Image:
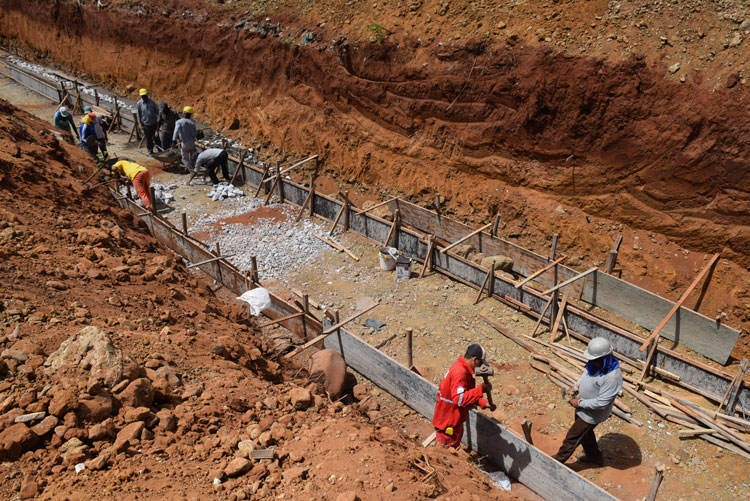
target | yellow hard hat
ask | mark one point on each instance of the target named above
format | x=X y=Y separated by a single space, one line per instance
x=188 y=109
x=142 y=92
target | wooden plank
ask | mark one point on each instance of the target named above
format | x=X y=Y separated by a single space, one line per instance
x=337 y=246
x=560 y=314
x=282 y=319
x=282 y=172
x=364 y=211
x=537 y=273
x=682 y=299
x=505 y=449
x=463 y=239
x=569 y=281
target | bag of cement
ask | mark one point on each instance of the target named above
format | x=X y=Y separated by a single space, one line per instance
x=258 y=299
x=500 y=480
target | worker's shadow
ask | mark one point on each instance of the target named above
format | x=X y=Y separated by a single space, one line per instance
x=488 y=438
x=620 y=451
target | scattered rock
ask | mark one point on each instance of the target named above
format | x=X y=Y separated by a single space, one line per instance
x=63 y=401
x=245 y=448
x=295 y=473
x=101 y=462
x=674 y=68
x=71 y=446
x=128 y=434
x=503 y=263
x=102 y=431
x=347 y=496
x=95 y=409
x=46 y=426
x=167 y=420
x=301 y=398
x=29 y=488
x=15 y=440
x=139 y=393
x=237 y=467
x=359 y=391
x=26 y=418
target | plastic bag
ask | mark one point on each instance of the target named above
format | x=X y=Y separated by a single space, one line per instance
x=258 y=299
x=500 y=480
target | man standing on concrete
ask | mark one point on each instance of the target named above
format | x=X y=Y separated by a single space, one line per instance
x=596 y=391
x=185 y=132
x=148 y=115
x=165 y=124
x=63 y=120
x=140 y=177
x=457 y=394
x=212 y=159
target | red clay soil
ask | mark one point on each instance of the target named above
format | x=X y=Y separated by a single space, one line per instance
x=494 y=120
x=199 y=377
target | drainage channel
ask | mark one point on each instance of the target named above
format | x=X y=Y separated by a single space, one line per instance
x=522 y=461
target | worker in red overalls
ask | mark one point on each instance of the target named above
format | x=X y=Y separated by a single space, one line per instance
x=457 y=394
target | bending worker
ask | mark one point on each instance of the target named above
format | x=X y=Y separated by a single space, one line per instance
x=593 y=397
x=457 y=394
x=186 y=132
x=148 y=115
x=213 y=158
x=63 y=120
x=141 y=179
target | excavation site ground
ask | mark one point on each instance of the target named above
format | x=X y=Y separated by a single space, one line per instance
x=551 y=171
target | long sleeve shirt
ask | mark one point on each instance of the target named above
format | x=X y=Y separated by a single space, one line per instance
x=596 y=395
x=166 y=121
x=64 y=122
x=207 y=155
x=457 y=394
x=148 y=112
x=185 y=131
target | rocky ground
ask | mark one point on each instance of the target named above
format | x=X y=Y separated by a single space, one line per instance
x=124 y=375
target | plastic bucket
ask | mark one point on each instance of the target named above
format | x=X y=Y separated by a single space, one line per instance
x=403 y=268
x=387 y=258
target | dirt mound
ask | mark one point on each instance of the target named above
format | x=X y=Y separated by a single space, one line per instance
x=122 y=374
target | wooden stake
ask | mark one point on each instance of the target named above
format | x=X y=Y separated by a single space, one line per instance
x=239 y=167
x=280 y=187
x=394 y=229
x=491 y=283
x=184 y=223
x=308 y=200
x=314 y=157
x=254 y=269
x=539 y=272
x=336 y=221
x=437 y=205
x=306 y=311
x=283 y=319
x=152 y=194
x=260 y=185
x=682 y=299
x=337 y=246
x=481 y=288
x=541 y=317
x=569 y=281
x=560 y=314
x=460 y=240
x=275 y=182
x=496 y=225
x=526 y=427
x=346 y=211
x=429 y=439
x=363 y=211
x=409 y=353
x=612 y=259
x=329 y=331
x=428 y=257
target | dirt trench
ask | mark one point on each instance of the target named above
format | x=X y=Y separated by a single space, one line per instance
x=492 y=127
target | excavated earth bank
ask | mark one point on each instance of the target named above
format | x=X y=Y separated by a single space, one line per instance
x=492 y=124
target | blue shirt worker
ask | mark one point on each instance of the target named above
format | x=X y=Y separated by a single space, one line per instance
x=148 y=116
x=63 y=120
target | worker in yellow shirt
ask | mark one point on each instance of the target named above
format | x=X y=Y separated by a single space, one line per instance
x=140 y=177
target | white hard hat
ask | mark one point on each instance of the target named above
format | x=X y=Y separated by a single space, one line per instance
x=63 y=110
x=597 y=348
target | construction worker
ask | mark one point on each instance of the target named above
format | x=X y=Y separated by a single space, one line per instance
x=63 y=120
x=213 y=158
x=101 y=135
x=148 y=116
x=165 y=124
x=87 y=135
x=186 y=132
x=140 y=177
x=457 y=394
x=592 y=398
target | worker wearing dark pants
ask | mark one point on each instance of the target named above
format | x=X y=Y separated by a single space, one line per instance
x=457 y=394
x=148 y=115
x=594 y=395
x=212 y=166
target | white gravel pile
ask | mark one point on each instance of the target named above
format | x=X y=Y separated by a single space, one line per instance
x=224 y=190
x=278 y=247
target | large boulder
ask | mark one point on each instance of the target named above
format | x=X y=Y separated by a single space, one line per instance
x=15 y=440
x=331 y=365
x=503 y=263
x=92 y=350
x=139 y=393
